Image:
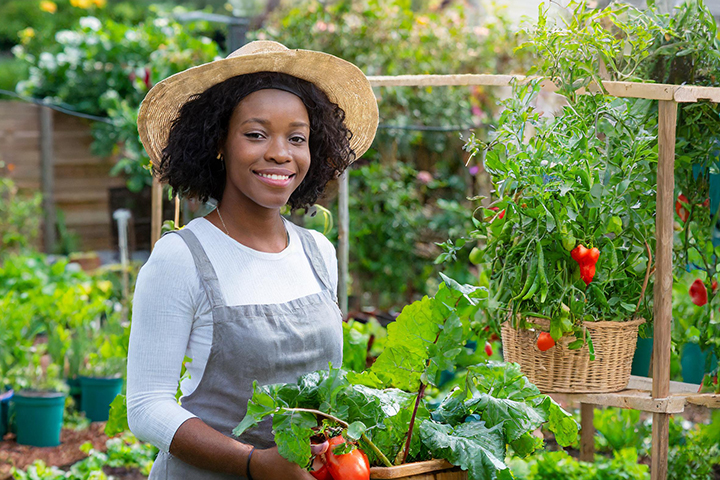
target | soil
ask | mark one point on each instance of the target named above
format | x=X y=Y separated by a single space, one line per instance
x=63 y=456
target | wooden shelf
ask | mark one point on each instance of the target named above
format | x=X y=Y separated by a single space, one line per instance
x=638 y=396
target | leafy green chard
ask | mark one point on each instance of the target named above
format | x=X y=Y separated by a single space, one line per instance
x=384 y=410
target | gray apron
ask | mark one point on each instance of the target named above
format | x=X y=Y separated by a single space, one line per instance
x=273 y=343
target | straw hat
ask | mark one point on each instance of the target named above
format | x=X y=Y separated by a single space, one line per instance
x=343 y=83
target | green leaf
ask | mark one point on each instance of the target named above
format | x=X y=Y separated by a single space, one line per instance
x=117 y=420
x=292 y=435
x=560 y=422
x=356 y=430
x=471 y=446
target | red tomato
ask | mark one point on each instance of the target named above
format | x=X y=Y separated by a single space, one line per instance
x=698 y=293
x=682 y=212
x=545 y=342
x=351 y=466
x=488 y=349
x=320 y=469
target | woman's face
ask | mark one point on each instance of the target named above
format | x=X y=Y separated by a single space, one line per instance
x=267 y=154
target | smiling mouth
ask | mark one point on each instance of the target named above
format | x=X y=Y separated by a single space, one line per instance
x=274 y=176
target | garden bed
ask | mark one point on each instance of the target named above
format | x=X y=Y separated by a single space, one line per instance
x=64 y=455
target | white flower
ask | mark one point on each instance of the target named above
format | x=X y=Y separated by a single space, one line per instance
x=67 y=37
x=18 y=51
x=90 y=22
x=74 y=55
x=132 y=36
x=544 y=163
x=161 y=22
x=62 y=58
x=47 y=61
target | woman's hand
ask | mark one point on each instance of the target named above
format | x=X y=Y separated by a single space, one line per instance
x=268 y=464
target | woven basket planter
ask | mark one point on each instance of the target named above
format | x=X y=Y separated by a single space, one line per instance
x=560 y=369
x=428 y=470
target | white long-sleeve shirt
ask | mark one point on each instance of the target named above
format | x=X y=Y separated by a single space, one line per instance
x=172 y=315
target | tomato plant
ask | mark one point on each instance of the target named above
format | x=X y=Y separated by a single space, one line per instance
x=578 y=194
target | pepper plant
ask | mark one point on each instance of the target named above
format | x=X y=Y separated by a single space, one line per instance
x=566 y=185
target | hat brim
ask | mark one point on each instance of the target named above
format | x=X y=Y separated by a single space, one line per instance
x=342 y=82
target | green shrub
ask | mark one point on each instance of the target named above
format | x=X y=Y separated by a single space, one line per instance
x=19 y=217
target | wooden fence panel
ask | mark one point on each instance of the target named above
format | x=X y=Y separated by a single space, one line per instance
x=82 y=180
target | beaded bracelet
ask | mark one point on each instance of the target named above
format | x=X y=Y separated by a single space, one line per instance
x=247 y=467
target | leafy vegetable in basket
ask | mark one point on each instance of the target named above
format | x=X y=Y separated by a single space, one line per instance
x=384 y=410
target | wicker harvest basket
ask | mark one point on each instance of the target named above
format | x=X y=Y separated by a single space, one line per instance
x=560 y=369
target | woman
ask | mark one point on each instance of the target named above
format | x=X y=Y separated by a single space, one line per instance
x=245 y=294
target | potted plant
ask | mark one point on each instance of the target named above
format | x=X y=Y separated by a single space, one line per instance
x=38 y=407
x=568 y=237
x=102 y=378
x=384 y=411
x=15 y=345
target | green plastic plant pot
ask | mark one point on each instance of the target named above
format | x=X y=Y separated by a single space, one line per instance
x=75 y=391
x=641 y=359
x=38 y=417
x=693 y=361
x=5 y=398
x=96 y=396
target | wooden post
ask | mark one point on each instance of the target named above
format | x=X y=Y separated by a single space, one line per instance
x=47 y=177
x=587 y=432
x=343 y=241
x=177 y=212
x=156 y=218
x=667 y=121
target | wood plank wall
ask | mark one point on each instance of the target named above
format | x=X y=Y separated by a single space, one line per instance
x=82 y=180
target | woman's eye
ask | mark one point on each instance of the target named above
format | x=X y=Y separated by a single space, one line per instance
x=254 y=135
x=297 y=139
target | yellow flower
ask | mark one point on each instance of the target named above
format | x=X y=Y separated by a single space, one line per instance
x=47 y=6
x=100 y=3
x=81 y=3
x=26 y=34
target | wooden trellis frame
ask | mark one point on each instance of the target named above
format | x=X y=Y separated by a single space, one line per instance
x=657 y=395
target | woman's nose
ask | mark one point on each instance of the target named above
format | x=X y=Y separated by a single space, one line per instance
x=278 y=151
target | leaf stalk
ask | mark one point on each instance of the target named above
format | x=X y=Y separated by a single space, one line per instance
x=343 y=423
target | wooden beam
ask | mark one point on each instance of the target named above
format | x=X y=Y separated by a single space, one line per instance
x=632 y=399
x=667 y=124
x=156 y=217
x=710 y=400
x=47 y=173
x=587 y=432
x=660 y=445
x=343 y=241
x=651 y=91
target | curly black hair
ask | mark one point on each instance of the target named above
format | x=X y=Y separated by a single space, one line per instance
x=189 y=162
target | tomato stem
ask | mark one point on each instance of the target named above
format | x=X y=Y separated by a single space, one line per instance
x=343 y=423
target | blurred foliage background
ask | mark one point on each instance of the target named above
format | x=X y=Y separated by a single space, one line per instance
x=409 y=191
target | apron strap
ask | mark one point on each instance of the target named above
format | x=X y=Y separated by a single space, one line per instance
x=204 y=267
x=316 y=261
